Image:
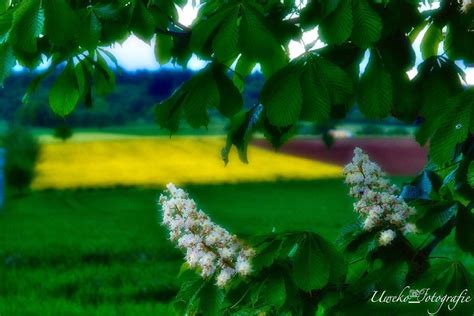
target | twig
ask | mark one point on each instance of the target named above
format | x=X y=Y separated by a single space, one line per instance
x=295 y=20
x=440 y=234
x=179 y=25
x=172 y=33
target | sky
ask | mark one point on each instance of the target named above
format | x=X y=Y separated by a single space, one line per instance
x=135 y=54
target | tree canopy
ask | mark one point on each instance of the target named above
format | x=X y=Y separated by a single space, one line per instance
x=235 y=36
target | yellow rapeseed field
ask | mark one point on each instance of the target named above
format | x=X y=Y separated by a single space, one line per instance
x=155 y=161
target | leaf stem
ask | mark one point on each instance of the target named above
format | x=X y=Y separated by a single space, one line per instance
x=171 y=33
x=440 y=234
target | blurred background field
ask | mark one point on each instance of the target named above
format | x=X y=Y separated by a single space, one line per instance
x=69 y=247
x=103 y=252
x=155 y=161
x=84 y=238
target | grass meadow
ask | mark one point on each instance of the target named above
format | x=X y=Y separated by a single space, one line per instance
x=103 y=252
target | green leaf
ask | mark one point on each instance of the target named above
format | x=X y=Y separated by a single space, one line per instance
x=243 y=68
x=459 y=177
x=453 y=130
x=80 y=77
x=282 y=97
x=336 y=28
x=355 y=241
x=104 y=78
x=339 y=85
x=111 y=57
x=108 y=12
x=90 y=31
x=210 y=300
x=211 y=88
x=230 y=99
x=316 y=104
x=430 y=42
x=61 y=22
x=464 y=229
x=278 y=135
x=316 y=10
x=28 y=20
x=114 y=31
x=168 y=113
x=450 y=278
x=34 y=83
x=64 y=94
x=267 y=253
x=181 y=51
x=143 y=22
x=424 y=186
x=459 y=37
x=466 y=100
x=203 y=94
x=337 y=263
x=242 y=126
x=226 y=40
x=470 y=174
x=397 y=53
x=437 y=81
x=273 y=292
x=86 y=87
x=413 y=34
x=444 y=277
x=375 y=95
x=4 y=5
x=435 y=216
x=393 y=275
x=163 y=48
x=405 y=98
x=258 y=42
x=205 y=28
x=367 y=24
x=469 y=99
x=311 y=268
x=7 y=61
x=6 y=20
x=187 y=300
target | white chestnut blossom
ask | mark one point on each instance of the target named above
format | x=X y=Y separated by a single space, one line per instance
x=209 y=248
x=224 y=276
x=466 y=5
x=386 y=237
x=377 y=202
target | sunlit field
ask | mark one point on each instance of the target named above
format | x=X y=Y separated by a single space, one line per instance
x=155 y=161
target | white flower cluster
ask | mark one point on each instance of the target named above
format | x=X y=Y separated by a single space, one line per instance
x=466 y=5
x=209 y=248
x=378 y=202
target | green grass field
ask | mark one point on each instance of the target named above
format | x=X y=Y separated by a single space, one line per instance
x=102 y=252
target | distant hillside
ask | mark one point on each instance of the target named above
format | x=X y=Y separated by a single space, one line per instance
x=133 y=99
